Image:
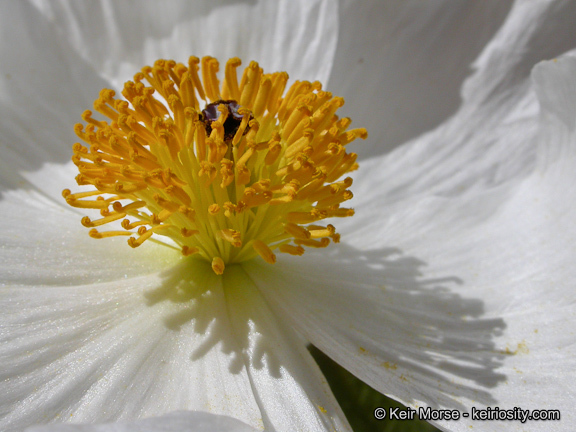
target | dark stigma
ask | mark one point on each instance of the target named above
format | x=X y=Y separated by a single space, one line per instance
x=210 y=114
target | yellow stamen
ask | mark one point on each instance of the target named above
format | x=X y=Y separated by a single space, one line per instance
x=228 y=171
x=292 y=250
x=218 y=265
x=94 y=233
x=232 y=236
x=264 y=251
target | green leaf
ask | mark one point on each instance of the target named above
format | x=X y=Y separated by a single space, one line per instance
x=358 y=400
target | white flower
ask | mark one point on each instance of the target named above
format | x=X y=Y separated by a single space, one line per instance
x=452 y=286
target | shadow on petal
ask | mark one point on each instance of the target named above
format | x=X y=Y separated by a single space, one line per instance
x=197 y=291
x=376 y=314
x=232 y=316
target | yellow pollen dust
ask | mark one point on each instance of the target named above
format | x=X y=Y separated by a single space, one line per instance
x=226 y=171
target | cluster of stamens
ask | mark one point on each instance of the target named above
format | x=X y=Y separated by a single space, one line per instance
x=226 y=172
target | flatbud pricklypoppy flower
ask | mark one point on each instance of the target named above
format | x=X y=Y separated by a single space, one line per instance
x=446 y=282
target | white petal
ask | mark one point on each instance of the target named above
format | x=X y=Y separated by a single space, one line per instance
x=180 y=421
x=288 y=385
x=44 y=87
x=484 y=150
x=156 y=344
x=412 y=339
x=119 y=38
x=464 y=298
x=400 y=65
x=484 y=276
x=123 y=350
x=43 y=243
x=423 y=341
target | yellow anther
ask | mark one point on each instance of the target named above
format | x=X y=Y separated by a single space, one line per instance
x=87 y=117
x=187 y=250
x=292 y=250
x=252 y=198
x=162 y=216
x=250 y=84
x=242 y=175
x=227 y=172
x=335 y=199
x=99 y=235
x=193 y=70
x=186 y=91
x=188 y=232
x=230 y=89
x=261 y=185
x=340 y=212
x=297 y=231
x=351 y=135
x=127 y=225
x=208 y=171
x=282 y=200
x=231 y=236
x=179 y=194
x=246 y=115
x=273 y=152
x=70 y=196
x=242 y=161
x=98 y=222
x=166 y=204
x=262 y=97
x=144 y=235
x=218 y=265
x=188 y=212
x=264 y=251
x=320 y=231
x=87 y=204
x=301 y=217
x=136 y=242
x=210 y=67
x=300 y=144
x=213 y=209
x=130 y=207
x=322 y=243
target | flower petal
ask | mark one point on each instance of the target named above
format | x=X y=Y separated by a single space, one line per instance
x=413 y=339
x=44 y=244
x=180 y=421
x=156 y=344
x=485 y=150
x=136 y=35
x=44 y=87
x=471 y=302
x=400 y=65
x=478 y=300
x=425 y=342
x=401 y=70
x=122 y=350
x=288 y=385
